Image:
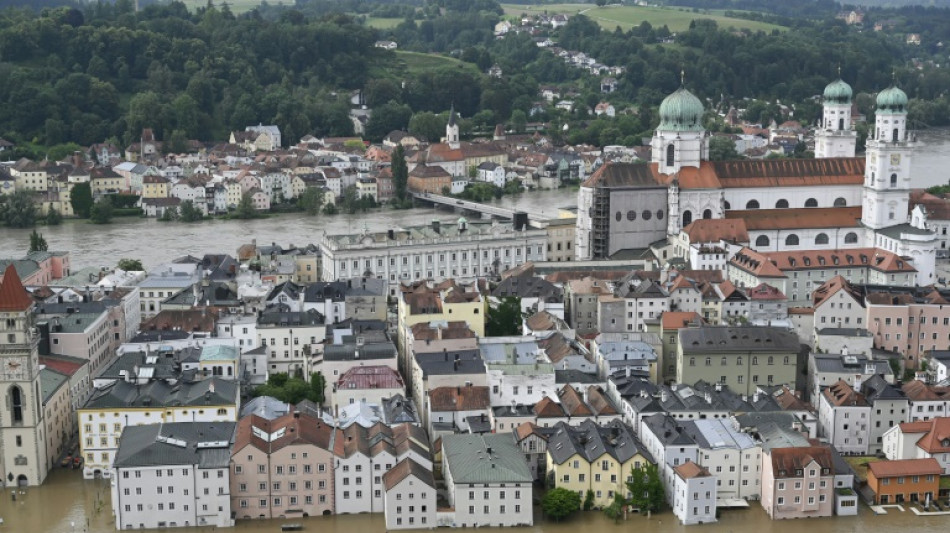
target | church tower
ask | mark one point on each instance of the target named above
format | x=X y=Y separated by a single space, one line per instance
x=452 y=130
x=23 y=457
x=887 y=166
x=680 y=140
x=834 y=137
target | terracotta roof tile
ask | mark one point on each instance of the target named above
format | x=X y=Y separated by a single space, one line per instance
x=905 y=467
x=13 y=297
x=472 y=398
x=680 y=319
x=787 y=462
x=812 y=218
x=714 y=230
x=790 y=172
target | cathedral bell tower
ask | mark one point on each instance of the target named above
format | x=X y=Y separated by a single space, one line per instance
x=834 y=137
x=887 y=168
x=680 y=140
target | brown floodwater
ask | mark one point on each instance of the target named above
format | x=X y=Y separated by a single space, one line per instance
x=67 y=504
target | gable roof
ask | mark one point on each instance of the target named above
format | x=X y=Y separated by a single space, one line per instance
x=790 y=172
x=714 y=230
x=471 y=398
x=905 y=467
x=787 y=462
x=405 y=468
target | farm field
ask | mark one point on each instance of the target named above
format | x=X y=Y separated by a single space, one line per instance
x=236 y=6
x=676 y=19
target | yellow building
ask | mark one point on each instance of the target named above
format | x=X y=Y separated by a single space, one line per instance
x=447 y=301
x=155 y=187
x=595 y=458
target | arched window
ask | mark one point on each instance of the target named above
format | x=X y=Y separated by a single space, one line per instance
x=840 y=202
x=781 y=204
x=851 y=238
x=893 y=180
x=791 y=240
x=16 y=404
x=670 y=155
x=687 y=218
x=821 y=238
x=841 y=124
x=762 y=241
x=894 y=136
x=811 y=202
x=752 y=204
x=707 y=214
x=727 y=206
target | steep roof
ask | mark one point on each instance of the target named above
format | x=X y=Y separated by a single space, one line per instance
x=689 y=470
x=472 y=398
x=790 y=172
x=842 y=395
x=788 y=462
x=13 y=297
x=405 y=468
x=486 y=458
x=714 y=230
x=937 y=439
x=614 y=174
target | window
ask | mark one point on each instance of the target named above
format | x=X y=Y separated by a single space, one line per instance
x=781 y=204
x=707 y=214
x=811 y=202
x=821 y=238
x=761 y=241
x=752 y=204
x=670 y=155
x=791 y=240
x=840 y=202
x=687 y=218
x=851 y=238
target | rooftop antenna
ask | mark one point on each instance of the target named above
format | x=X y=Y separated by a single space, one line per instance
x=682 y=77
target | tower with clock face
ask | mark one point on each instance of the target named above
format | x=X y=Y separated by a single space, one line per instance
x=887 y=168
x=23 y=452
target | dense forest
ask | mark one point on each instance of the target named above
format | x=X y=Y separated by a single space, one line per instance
x=105 y=71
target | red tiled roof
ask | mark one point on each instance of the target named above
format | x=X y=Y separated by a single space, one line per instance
x=370 y=377
x=689 y=470
x=790 y=172
x=714 y=230
x=937 y=440
x=905 y=467
x=472 y=398
x=811 y=218
x=786 y=462
x=13 y=297
x=680 y=319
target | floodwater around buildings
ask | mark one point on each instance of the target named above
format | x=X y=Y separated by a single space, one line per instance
x=68 y=504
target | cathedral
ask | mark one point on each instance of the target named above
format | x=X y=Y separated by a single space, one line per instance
x=834 y=201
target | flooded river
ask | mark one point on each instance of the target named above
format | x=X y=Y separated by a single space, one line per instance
x=67 y=504
x=154 y=242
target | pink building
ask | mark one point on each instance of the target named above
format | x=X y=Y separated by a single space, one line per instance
x=39 y=268
x=911 y=321
x=282 y=468
x=798 y=482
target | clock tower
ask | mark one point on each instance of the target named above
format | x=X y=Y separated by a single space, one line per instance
x=23 y=454
x=887 y=168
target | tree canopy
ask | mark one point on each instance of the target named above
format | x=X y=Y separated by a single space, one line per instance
x=560 y=503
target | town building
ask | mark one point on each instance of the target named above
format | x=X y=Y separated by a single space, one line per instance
x=844 y=418
x=919 y=440
x=410 y=496
x=173 y=475
x=694 y=495
x=487 y=480
x=798 y=482
x=283 y=468
x=904 y=481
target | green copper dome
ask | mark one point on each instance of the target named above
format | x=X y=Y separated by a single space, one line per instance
x=892 y=100
x=838 y=92
x=681 y=111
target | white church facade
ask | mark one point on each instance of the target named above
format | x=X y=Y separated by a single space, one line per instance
x=834 y=201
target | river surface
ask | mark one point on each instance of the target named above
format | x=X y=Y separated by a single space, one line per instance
x=68 y=504
x=155 y=242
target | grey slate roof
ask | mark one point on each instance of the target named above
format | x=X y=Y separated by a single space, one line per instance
x=284 y=318
x=708 y=339
x=488 y=458
x=159 y=393
x=838 y=364
x=529 y=287
x=877 y=388
x=398 y=409
x=667 y=430
x=50 y=382
x=205 y=444
x=266 y=407
x=454 y=362
x=348 y=352
x=773 y=430
x=591 y=441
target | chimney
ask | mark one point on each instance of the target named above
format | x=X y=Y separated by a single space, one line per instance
x=627 y=371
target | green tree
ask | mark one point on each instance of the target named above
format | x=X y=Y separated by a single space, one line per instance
x=505 y=318
x=130 y=265
x=318 y=385
x=245 y=208
x=560 y=503
x=37 y=242
x=330 y=209
x=646 y=489
x=80 y=198
x=427 y=125
x=187 y=212
x=722 y=148
x=589 y=500
x=311 y=201
x=101 y=212
x=170 y=214
x=386 y=118
x=400 y=172
x=53 y=217
x=351 y=199
x=519 y=121
x=614 y=511
x=18 y=211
